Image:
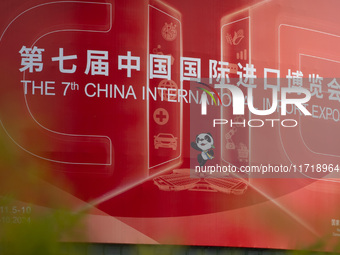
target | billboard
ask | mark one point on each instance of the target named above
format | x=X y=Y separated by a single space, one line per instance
x=175 y=122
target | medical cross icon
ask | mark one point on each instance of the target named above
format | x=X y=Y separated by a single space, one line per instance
x=161 y=116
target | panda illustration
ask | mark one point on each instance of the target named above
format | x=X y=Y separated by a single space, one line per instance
x=205 y=144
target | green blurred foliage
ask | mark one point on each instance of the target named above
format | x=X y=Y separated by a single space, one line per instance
x=41 y=236
x=23 y=182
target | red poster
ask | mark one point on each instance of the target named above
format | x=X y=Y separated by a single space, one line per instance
x=176 y=122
